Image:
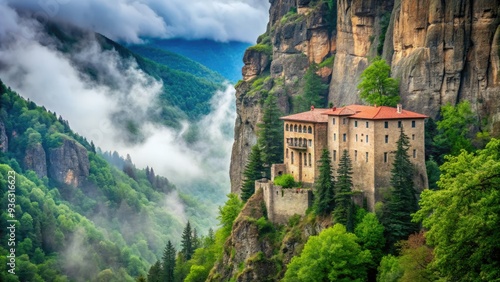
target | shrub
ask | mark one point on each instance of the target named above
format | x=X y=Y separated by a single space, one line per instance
x=285 y=181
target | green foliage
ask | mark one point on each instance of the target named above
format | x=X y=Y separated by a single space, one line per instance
x=453 y=129
x=228 y=213
x=168 y=262
x=285 y=181
x=314 y=93
x=324 y=192
x=415 y=259
x=433 y=173
x=270 y=134
x=344 y=207
x=328 y=62
x=402 y=201
x=262 y=48
x=333 y=255
x=377 y=87
x=371 y=237
x=187 y=242
x=462 y=216
x=384 y=25
x=389 y=269
x=253 y=171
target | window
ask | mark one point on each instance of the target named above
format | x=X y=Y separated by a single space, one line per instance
x=305 y=160
x=334 y=155
x=333 y=121
x=344 y=121
x=366 y=138
x=386 y=124
x=414 y=153
x=300 y=128
x=310 y=143
x=295 y=128
x=286 y=153
x=413 y=137
x=292 y=159
x=385 y=157
x=355 y=123
x=356 y=137
x=334 y=136
x=366 y=156
x=310 y=159
x=355 y=155
x=310 y=130
x=286 y=127
x=399 y=124
x=387 y=139
x=367 y=124
x=412 y=123
x=344 y=137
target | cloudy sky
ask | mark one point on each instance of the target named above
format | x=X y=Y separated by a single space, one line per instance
x=133 y=20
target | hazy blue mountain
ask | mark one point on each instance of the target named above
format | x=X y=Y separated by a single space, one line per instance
x=222 y=57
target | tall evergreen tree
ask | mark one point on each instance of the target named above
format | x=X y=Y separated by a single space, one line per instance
x=187 y=242
x=344 y=210
x=270 y=134
x=402 y=202
x=154 y=274
x=253 y=171
x=168 y=264
x=325 y=185
x=314 y=90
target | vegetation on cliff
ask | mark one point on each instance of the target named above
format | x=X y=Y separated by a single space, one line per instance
x=377 y=87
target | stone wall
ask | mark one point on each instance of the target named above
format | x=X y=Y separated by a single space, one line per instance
x=281 y=204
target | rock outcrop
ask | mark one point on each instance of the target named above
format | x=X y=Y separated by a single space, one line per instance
x=69 y=163
x=441 y=51
x=35 y=159
x=4 y=141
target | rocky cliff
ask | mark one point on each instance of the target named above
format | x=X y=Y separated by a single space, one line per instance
x=4 y=141
x=69 y=163
x=35 y=159
x=441 y=51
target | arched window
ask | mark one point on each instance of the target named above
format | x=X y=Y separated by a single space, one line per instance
x=309 y=159
x=300 y=128
x=295 y=142
x=286 y=127
x=295 y=128
x=310 y=130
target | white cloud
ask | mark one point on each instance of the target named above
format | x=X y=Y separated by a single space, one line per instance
x=129 y=21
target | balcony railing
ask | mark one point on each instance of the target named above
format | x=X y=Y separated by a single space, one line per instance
x=297 y=145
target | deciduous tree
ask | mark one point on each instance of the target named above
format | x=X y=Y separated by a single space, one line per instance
x=377 y=87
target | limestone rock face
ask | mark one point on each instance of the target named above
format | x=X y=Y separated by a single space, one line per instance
x=4 y=141
x=246 y=243
x=35 y=159
x=69 y=163
x=447 y=51
x=255 y=64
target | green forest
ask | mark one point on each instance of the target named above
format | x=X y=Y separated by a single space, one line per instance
x=112 y=227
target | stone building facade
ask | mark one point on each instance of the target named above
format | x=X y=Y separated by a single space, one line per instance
x=367 y=133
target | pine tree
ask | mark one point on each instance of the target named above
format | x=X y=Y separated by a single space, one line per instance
x=187 y=242
x=325 y=185
x=344 y=210
x=402 y=203
x=154 y=274
x=314 y=89
x=196 y=240
x=168 y=264
x=270 y=134
x=253 y=171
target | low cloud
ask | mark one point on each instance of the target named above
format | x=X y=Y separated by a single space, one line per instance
x=132 y=21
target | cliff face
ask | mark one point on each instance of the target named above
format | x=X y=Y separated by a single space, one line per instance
x=35 y=159
x=441 y=51
x=4 y=141
x=69 y=163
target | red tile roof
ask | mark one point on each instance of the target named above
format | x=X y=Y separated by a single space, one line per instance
x=369 y=112
x=313 y=116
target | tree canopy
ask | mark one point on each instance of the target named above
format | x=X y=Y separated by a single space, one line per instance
x=463 y=216
x=253 y=171
x=314 y=91
x=377 y=87
x=333 y=255
x=270 y=134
